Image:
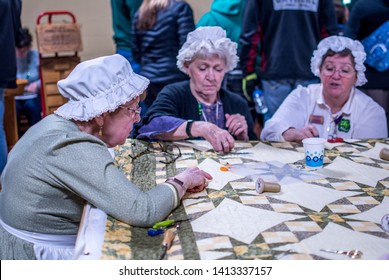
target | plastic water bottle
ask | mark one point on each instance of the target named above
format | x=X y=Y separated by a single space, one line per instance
x=259 y=101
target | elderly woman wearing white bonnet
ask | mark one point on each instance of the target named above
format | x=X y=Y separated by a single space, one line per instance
x=62 y=163
x=335 y=107
x=199 y=108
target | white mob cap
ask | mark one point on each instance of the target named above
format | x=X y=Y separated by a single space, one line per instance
x=99 y=85
x=338 y=44
x=212 y=40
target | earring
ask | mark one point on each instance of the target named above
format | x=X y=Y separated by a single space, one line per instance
x=101 y=131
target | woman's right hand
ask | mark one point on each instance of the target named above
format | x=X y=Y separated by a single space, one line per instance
x=299 y=134
x=194 y=179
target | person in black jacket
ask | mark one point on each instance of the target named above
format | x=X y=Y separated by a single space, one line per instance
x=366 y=17
x=159 y=30
x=10 y=26
x=200 y=108
x=287 y=33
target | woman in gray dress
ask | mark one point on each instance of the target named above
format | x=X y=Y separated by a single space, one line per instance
x=63 y=163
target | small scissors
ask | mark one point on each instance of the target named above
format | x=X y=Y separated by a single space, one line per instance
x=167 y=223
x=354 y=254
x=341 y=140
x=160 y=227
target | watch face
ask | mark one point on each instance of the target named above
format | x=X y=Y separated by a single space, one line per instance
x=385 y=223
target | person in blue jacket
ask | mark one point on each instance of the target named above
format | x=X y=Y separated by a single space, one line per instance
x=28 y=104
x=158 y=32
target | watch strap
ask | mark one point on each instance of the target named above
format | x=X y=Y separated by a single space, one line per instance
x=178 y=184
x=175 y=180
x=188 y=129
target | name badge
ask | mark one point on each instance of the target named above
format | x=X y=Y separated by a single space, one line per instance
x=316 y=119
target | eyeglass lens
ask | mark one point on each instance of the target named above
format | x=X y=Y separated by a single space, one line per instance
x=344 y=71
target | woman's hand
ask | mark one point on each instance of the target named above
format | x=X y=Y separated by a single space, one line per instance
x=194 y=179
x=297 y=135
x=237 y=126
x=220 y=139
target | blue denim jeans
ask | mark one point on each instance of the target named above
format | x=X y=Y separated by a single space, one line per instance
x=3 y=140
x=275 y=92
x=128 y=55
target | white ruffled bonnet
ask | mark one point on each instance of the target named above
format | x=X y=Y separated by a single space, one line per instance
x=211 y=38
x=337 y=44
x=99 y=85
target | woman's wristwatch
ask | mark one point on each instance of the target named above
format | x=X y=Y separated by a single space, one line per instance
x=189 y=128
x=178 y=184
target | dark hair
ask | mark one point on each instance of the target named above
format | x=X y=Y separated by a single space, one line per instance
x=25 y=38
x=343 y=53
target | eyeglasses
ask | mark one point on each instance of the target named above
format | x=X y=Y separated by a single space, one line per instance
x=137 y=110
x=169 y=150
x=344 y=71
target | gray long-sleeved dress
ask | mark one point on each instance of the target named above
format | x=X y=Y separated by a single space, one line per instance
x=54 y=168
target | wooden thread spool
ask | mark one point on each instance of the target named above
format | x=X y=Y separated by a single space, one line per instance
x=384 y=154
x=262 y=186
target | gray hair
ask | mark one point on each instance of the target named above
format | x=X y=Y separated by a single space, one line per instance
x=204 y=42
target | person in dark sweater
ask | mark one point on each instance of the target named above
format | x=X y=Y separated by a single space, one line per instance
x=199 y=108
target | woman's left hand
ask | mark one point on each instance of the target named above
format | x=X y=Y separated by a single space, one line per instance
x=237 y=126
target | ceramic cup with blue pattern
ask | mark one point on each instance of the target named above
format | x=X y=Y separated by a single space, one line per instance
x=314 y=152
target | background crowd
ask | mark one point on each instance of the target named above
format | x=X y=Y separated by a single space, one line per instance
x=150 y=33
x=266 y=62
